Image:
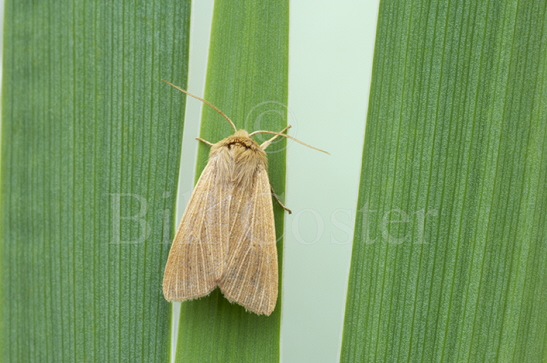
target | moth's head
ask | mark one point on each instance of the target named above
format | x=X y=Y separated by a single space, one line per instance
x=239 y=142
x=242 y=138
x=241 y=133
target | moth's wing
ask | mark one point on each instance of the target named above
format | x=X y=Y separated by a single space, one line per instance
x=250 y=276
x=196 y=259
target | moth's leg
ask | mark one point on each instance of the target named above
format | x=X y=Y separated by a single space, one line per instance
x=282 y=131
x=267 y=143
x=205 y=141
x=278 y=201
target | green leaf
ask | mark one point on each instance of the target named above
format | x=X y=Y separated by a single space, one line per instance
x=90 y=155
x=450 y=244
x=247 y=79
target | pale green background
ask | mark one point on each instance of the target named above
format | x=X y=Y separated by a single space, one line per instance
x=331 y=46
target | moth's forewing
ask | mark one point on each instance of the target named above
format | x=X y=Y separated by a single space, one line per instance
x=194 y=264
x=251 y=278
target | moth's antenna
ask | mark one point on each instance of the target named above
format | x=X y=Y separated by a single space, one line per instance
x=290 y=137
x=267 y=143
x=204 y=101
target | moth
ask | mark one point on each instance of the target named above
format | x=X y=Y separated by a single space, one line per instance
x=226 y=237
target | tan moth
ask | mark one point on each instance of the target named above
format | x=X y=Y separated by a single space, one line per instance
x=226 y=237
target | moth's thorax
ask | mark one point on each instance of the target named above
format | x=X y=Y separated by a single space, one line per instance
x=239 y=157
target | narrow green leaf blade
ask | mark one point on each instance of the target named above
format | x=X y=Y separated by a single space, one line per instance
x=247 y=80
x=450 y=245
x=90 y=149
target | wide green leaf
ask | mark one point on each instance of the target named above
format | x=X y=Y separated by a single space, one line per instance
x=90 y=154
x=450 y=245
x=247 y=79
